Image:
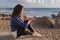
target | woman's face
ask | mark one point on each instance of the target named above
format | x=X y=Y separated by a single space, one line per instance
x=21 y=12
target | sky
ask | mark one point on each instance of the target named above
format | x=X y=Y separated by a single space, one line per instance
x=30 y=3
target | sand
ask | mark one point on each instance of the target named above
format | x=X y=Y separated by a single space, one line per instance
x=47 y=32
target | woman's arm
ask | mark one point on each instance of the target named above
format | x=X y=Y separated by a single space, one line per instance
x=31 y=20
x=18 y=21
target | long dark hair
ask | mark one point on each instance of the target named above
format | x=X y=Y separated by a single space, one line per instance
x=17 y=10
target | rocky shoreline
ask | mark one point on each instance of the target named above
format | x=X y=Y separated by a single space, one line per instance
x=50 y=30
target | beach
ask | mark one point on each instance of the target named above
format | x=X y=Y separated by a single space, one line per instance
x=41 y=25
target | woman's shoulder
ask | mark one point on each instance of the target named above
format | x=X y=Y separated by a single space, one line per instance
x=16 y=16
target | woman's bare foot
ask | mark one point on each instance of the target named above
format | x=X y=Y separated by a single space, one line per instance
x=37 y=34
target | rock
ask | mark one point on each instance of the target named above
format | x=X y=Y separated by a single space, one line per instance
x=31 y=38
x=6 y=36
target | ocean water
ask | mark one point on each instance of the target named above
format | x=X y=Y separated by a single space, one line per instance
x=38 y=12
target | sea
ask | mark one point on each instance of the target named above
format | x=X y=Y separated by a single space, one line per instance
x=30 y=12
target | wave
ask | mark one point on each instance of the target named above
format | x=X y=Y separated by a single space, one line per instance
x=33 y=11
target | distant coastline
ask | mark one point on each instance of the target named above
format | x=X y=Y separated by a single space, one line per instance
x=34 y=11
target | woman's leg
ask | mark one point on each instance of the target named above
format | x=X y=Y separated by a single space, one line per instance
x=29 y=27
x=34 y=33
x=20 y=31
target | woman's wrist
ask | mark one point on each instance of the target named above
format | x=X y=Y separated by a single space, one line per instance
x=29 y=21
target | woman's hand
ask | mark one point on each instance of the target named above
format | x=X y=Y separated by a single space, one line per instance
x=31 y=20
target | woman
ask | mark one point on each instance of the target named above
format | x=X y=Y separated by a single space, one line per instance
x=18 y=25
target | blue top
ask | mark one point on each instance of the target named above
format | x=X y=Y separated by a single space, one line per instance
x=17 y=22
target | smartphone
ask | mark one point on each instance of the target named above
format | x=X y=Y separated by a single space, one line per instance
x=35 y=17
